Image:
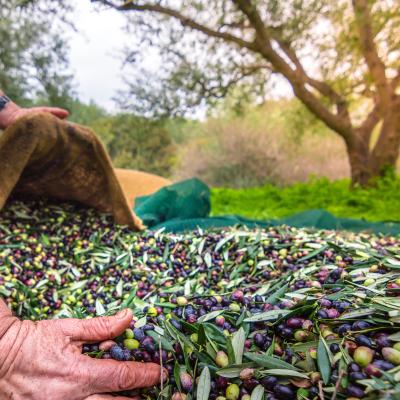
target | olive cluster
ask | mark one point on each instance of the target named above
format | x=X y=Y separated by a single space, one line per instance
x=298 y=313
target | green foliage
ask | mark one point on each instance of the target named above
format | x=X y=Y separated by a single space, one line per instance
x=140 y=143
x=378 y=203
x=85 y=114
x=182 y=129
x=132 y=142
x=250 y=149
x=33 y=61
x=203 y=67
x=339 y=57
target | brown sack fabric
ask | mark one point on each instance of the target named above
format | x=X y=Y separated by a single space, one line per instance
x=42 y=155
x=137 y=183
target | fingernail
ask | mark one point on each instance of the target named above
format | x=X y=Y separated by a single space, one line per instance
x=122 y=314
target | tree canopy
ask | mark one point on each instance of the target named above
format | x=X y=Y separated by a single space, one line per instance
x=34 y=51
x=341 y=59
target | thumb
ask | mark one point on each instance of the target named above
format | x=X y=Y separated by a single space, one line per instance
x=97 y=329
x=6 y=318
x=4 y=310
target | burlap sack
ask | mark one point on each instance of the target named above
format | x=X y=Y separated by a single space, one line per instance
x=137 y=183
x=42 y=155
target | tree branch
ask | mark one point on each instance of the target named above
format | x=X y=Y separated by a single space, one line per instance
x=261 y=45
x=322 y=87
x=295 y=77
x=375 y=65
x=184 y=20
x=220 y=91
x=395 y=81
x=368 y=125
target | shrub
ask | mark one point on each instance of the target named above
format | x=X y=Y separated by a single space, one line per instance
x=140 y=143
x=378 y=203
x=132 y=142
x=250 y=150
x=233 y=154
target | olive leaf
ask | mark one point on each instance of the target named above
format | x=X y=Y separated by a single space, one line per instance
x=269 y=361
x=273 y=298
x=285 y=372
x=238 y=345
x=177 y=373
x=271 y=315
x=395 y=337
x=119 y=287
x=257 y=393
x=234 y=370
x=204 y=385
x=165 y=344
x=313 y=253
x=100 y=310
x=324 y=364
x=210 y=316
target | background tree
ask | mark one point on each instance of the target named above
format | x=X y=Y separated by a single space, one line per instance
x=139 y=143
x=341 y=59
x=33 y=51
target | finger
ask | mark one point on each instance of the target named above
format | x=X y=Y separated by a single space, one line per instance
x=58 y=112
x=96 y=329
x=114 y=376
x=4 y=310
x=6 y=318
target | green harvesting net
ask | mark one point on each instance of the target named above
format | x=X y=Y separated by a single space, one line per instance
x=186 y=206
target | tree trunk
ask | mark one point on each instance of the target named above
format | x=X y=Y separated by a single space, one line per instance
x=386 y=150
x=365 y=163
x=359 y=159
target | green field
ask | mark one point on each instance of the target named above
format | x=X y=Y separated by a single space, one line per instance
x=378 y=203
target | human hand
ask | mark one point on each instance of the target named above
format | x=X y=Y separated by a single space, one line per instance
x=44 y=360
x=12 y=112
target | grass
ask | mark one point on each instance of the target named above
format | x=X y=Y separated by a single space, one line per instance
x=378 y=203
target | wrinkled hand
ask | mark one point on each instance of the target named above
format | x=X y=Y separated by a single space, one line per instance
x=43 y=360
x=12 y=112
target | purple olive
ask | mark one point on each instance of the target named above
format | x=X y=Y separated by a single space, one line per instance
x=139 y=334
x=269 y=382
x=382 y=340
x=355 y=390
x=259 y=339
x=186 y=381
x=356 y=376
x=363 y=340
x=294 y=323
x=284 y=392
x=117 y=353
x=343 y=329
x=360 y=325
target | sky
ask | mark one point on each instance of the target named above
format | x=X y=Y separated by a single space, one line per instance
x=94 y=52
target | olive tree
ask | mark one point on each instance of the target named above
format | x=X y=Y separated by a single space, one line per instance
x=33 y=51
x=341 y=59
